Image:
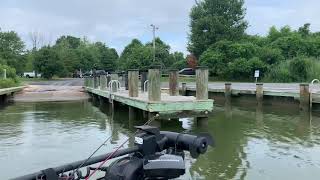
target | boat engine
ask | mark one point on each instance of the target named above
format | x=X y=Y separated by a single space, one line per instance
x=156 y=155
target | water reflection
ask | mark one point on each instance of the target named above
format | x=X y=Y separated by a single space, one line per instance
x=251 y=142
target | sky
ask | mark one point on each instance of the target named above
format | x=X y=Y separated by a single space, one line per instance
x=117 y=22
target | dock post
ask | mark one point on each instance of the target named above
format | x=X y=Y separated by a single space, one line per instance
x=133 y=82
x=183 y=89
x=304 y=97
x=202 y=75
x=103 y=82
x=227 y=92
x=173 y=82
x=259 y=92
x=154 y=84
x=95 y=82
x=144 y=77
x=85 y=82
x=108 y=79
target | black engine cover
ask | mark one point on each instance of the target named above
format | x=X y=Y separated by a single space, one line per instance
x=165 y=166
x=127 y=168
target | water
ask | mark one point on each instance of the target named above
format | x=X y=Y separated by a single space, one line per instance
x=251 y=143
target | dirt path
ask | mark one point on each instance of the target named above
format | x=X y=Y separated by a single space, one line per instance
x=61 y=90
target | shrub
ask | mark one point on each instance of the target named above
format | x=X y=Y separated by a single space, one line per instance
x=6 y=83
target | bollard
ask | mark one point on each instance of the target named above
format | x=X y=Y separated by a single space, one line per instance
x=144 y=77
x=95 y=82
x=173 y=82
x=154 y=84
x=227 y=92
x=114 y=77
x=133 y=82
x=304 y=97
x=259 y=92
x=91 y=82
x=202 y=75
x=183 y=89
x=108 y=78
x=103 y=82
x=85 y=84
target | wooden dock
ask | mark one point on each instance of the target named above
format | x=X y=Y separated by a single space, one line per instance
x=167 y=105
x=5 y=93
x=152 y=99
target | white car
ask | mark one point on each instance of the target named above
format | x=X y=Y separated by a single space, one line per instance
x=31 y=74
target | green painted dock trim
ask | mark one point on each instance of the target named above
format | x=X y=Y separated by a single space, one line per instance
x=11 y=90
x=162 y=107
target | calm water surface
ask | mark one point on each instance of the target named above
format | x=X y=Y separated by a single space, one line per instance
x=250 y=143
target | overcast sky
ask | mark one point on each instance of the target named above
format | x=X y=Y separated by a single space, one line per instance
x=117 y=22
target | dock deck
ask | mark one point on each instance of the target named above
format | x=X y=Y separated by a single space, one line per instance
x=168 y=104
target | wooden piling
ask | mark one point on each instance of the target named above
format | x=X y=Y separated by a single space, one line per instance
x=108 y=79
x=304 y=97
x=154 y=84
x=259 y=92
x=133 y=82
x=183 y=89
x=227 y=92
x=103 y=82
x=202 y=75
x=173 y=82
x=95 y=82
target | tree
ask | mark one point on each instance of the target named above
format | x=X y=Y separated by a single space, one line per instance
x=215 y=20
x=11 y=50
x=47 y=62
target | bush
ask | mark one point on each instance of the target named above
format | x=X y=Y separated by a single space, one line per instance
x=299 y=69
x=11 y=72
x=6 y=83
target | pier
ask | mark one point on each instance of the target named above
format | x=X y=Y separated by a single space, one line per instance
x=149 y=97
x=7 y=93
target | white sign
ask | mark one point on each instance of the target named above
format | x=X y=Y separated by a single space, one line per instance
x=256 y=73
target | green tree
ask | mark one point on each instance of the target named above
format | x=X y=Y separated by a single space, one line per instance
x=11 y=50
x=215 y=20
x=47 y=62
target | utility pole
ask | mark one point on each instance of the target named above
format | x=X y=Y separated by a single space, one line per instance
x=154 y=28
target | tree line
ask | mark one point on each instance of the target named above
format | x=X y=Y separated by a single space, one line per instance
x=217 y=39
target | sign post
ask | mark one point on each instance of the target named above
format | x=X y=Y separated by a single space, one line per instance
x=256 y=74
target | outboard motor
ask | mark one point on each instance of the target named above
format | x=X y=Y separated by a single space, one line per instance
x=156 y=155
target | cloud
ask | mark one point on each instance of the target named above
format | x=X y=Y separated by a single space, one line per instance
x=114 y=22
x=117 y=22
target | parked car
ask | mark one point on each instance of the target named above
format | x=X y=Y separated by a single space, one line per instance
x=99 y=72
x=32 y=74
x=187 y=71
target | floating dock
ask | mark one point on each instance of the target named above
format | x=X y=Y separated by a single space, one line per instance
x=150 y=98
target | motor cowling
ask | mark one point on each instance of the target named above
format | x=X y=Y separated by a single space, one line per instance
x=127 y=168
